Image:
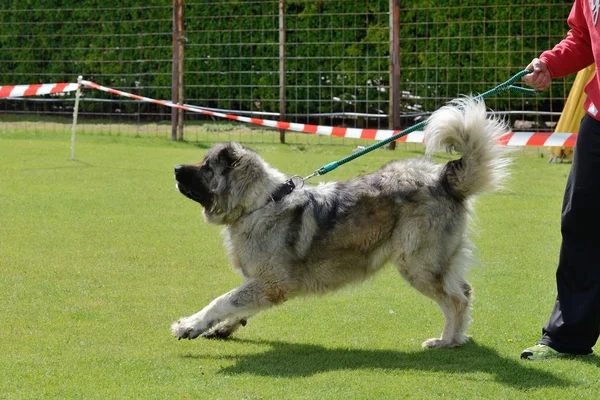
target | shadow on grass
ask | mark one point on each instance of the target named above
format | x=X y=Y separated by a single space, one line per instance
x=80 y=163
x=73 y=163
x=198 y=145
x=593 y=360
x=294 y=360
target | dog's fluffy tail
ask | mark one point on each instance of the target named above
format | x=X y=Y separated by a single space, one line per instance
x=463 y=126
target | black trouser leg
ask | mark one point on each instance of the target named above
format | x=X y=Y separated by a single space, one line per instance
x=574 y=325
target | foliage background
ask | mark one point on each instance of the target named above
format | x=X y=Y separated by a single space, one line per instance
x=337 y=54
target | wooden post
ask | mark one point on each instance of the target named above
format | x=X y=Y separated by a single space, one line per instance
x=180 y=72
x=394 y=67
x=282 y=67
x=177 y=90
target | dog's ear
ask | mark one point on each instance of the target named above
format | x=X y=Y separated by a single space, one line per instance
x=226 y=156
x=230 y=154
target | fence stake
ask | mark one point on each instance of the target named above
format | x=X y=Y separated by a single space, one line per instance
x=177 y=71
x=282 y=69
x=75 y=113
x=394 y=68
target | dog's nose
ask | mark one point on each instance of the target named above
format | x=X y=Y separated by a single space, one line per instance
x=178 y=169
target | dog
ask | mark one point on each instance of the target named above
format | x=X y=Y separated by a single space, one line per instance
x=312 y=240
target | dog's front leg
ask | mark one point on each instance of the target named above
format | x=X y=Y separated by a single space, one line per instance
x=236 y=305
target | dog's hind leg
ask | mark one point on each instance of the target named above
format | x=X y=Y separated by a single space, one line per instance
x=228 y=312
x=453 y=294
x=455 y=307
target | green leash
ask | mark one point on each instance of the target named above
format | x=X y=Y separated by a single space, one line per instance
x=508 y=85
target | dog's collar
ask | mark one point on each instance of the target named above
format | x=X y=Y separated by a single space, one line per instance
x=286 y=188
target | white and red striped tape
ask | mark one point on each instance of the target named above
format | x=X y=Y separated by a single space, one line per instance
x=376 y=134
x=539 y=139
x=36 y=89
x=510 y=139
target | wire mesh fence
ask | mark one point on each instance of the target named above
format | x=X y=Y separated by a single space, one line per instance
x=452 y=49
x=335 y=62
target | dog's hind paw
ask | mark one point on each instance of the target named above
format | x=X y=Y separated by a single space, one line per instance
x=438 y=343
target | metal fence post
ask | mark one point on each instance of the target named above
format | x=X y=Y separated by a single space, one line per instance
x=282 y=67
x=177 y=89
x=394 y=67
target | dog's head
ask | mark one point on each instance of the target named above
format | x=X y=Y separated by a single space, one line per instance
x=228 y=181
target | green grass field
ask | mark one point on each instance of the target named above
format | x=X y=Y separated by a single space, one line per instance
x=100 y=255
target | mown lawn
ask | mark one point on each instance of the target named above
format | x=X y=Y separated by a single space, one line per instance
x=100 y=255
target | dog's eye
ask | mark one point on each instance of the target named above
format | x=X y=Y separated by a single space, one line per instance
x=206 y=169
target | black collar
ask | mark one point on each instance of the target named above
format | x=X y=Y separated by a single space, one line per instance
x=286 y=188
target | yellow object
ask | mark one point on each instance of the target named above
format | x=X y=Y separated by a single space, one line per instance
x=572 y=113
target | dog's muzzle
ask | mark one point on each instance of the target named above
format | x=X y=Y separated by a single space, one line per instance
x=186 y=183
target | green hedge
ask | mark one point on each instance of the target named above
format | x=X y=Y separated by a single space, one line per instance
x=336 y=49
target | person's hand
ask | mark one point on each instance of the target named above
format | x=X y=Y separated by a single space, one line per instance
x=540 y=78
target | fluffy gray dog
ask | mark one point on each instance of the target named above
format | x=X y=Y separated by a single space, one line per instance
x=411 y=213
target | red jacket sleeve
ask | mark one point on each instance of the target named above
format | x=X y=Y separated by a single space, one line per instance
x=574 y=52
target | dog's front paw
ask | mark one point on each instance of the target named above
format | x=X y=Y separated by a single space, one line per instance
x=183 y=329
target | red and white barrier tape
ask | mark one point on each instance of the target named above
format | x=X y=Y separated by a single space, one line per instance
x=539 y=139
x=373 y=134
x=510 y=139
x=36 y=90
